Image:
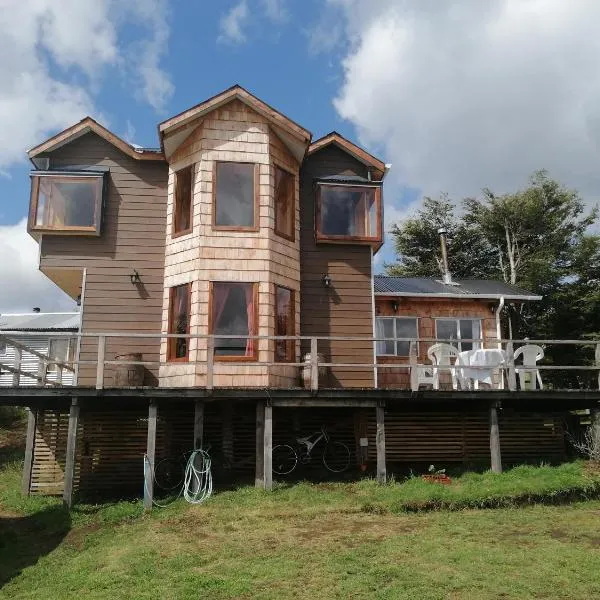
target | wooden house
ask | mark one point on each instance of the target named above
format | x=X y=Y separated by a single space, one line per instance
x=228 y=275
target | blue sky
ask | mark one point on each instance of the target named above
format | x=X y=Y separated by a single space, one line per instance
x=456 y=95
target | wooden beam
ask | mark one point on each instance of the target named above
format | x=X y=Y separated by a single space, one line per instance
x=314 y=364
x=29 y=448
x=17 y=366
x=198 y=424
x=268 y=448
x=323 y=403
x=100 y=366
x=71 y=448
x=260 y=444
x=150 y=453
x=495 y=455
x=380 y=443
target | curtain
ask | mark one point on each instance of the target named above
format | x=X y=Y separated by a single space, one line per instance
x=380 y=333
x=220 y=296
x=250 y=343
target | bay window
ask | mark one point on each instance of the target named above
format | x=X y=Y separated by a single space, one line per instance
x=284 y=324
x=235 y=199
x=348 y=213
x=453 y=331
x=66 y=203
x=179 y=322
x=234 y=312
x=387 y=329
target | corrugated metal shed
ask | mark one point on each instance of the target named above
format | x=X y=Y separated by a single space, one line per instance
x=40 y=322
x=464 y=288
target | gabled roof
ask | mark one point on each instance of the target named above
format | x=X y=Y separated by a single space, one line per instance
x=483 y=289
x=34 y=321
x=175 y=130
x=351 y=148
x=87 y=125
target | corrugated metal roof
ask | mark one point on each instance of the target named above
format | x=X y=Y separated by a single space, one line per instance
x=40 y=322
x=425 y=286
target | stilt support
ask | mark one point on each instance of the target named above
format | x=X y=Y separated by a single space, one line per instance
x=71 y=448
x=268 y=448
x=495 y=454
x=380 y=443
x=150 y=453
x=198 y=424
x=29 y=445
x=260 y=444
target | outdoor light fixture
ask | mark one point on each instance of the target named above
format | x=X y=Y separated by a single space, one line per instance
x=326 y=280
x=135 y=278
x=395 y=306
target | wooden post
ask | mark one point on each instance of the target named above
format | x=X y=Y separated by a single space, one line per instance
x=198 y=424
x=268 y=448
x=210 y=362
x=260 y=444
x=100 y=366
x=380 y=443
x=414 y=368
x=150 y=452
x=510 y=361
x=314 y=364
x=70 y=458
x=29 y=446
x=496 y=457
x=17 y=365
x=41 y=372
x=597 y=357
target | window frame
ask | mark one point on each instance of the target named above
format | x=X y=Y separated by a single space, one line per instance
x=457 y=320
x=394 y=340
x=172 y=342
x=290 y=344
x=344 y=239
x=64 y=176
x=211 y=323
x=52 y=367
x=292 y=237
x=175 y=233
x=256 y=198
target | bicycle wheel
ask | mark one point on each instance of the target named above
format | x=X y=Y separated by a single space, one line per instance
x=169 y=474
x=336 y=457
x=284 y=459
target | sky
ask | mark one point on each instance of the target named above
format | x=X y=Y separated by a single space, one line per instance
x=456 y=95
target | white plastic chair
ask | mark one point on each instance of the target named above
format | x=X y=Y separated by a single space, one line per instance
x=528 y=373
x=440 y=355
x=421 y=375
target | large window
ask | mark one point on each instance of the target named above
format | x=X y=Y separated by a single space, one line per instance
x=457 y=330
x=66 y=204
x=234 y=311
x=179 y=322
x=387 y=329
x=348 y=213
x=182 y=214
x=235 y=195
x=284 y=203
x=284 y=324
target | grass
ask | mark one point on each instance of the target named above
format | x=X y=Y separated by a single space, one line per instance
x=315 y=541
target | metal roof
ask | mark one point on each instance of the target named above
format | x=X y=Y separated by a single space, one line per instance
x=465 y=288
x=348 y=179
x=33 y=321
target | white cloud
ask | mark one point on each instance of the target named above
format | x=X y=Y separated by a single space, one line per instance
x=276 y=10
x=467 y=94
x=233 y=23
x=55 y=54
x=22 y=285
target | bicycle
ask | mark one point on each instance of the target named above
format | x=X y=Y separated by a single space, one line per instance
x=335 y=456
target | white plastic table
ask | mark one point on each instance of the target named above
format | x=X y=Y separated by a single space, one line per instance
x=486 y=362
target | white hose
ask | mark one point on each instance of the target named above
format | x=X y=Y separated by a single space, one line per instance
x=197 y=484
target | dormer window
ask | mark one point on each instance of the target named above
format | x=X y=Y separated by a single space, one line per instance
x=66 y=203
x=348 y=213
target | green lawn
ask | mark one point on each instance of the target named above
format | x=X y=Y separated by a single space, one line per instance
x=314 y=541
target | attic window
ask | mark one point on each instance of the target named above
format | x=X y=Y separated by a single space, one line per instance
x=66 y=204
x=348 y=213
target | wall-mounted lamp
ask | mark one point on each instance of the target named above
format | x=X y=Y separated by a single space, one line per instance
x=326 y=280
x=135 y=278
x=395 y=306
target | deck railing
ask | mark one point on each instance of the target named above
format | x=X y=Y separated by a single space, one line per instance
x=312 y=364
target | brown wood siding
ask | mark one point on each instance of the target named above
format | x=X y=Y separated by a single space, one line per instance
x=345 y=309
x=133 y=237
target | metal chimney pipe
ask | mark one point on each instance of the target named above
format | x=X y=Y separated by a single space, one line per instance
x=446 y=275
